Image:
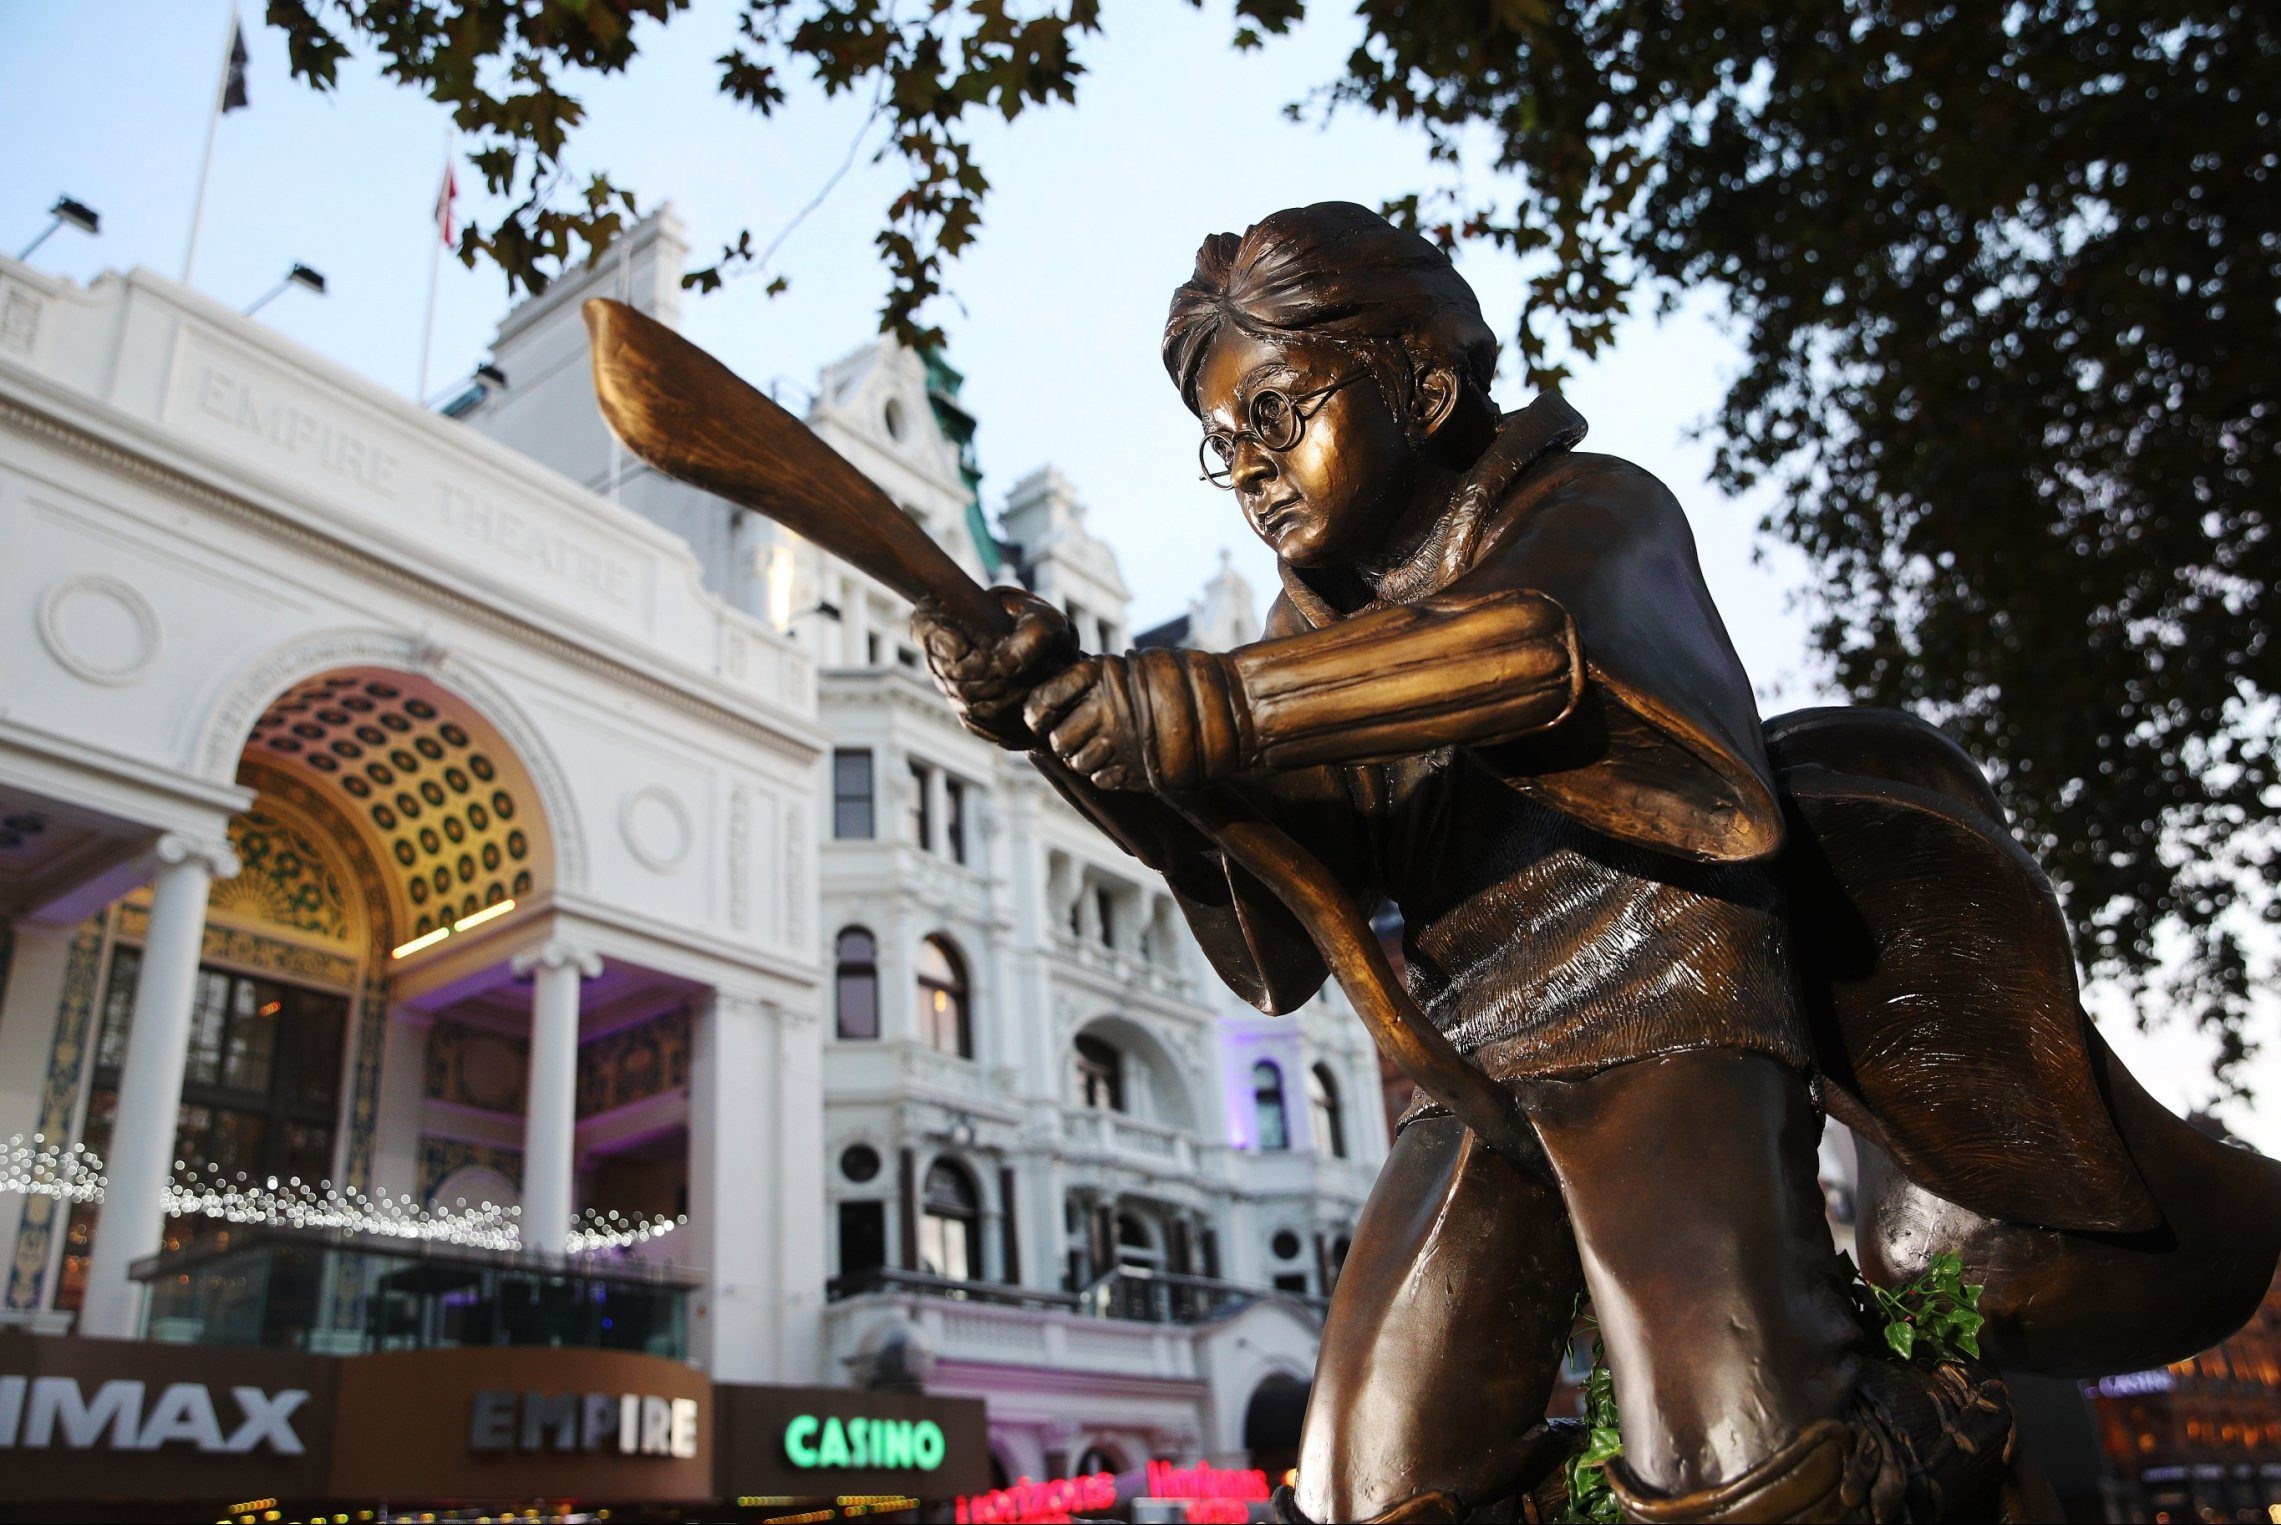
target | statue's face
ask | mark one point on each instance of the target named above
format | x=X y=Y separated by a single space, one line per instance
x=1332 y=497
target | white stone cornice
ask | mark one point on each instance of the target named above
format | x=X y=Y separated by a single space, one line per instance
x=792 y=735
x=557 y=952
x=209 y=853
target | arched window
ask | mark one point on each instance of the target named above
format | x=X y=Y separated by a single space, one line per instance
x=1267 y=1104
x=1135 y=1245
x=1100 y=1074
x=1323 y=1112
x=855 y=988
x=943 y=999
x=950 y=1241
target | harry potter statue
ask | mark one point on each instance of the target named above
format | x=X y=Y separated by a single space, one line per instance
x=1495 y=692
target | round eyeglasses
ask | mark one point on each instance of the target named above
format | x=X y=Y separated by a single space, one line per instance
x=1275 y=418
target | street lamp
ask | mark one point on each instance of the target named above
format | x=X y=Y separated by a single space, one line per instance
x=77 y=214
x=300 y=275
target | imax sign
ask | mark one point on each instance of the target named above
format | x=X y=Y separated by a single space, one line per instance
x=37 y=1413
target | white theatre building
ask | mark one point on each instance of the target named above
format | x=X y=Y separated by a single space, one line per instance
x=446 y=808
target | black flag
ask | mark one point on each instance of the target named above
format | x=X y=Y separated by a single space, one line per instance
x=234 y=77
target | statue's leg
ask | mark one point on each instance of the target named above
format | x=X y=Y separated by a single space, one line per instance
x=1741 y=1382
x=1692 y=1183
x=1444 y=1336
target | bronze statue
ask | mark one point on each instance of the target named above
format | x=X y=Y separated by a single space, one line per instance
x=1651 y=941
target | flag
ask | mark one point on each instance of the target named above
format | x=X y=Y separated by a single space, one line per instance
x=446 y=225
x=234 y=75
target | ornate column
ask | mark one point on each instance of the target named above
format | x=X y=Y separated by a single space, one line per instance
x=140 y=1161
x=550 y=1100
x=403 y=1085
x=28 y=1011
x=855 y=621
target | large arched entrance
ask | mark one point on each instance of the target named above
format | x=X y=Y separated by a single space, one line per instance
x=388 y=816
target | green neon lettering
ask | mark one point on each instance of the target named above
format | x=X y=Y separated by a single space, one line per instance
x=796 y=1444
x=927 y=1444
x=895 y=1443
x=832 y=1450
x=859 y=1433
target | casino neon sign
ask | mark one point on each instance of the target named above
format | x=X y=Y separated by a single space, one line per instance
x=884 y=1445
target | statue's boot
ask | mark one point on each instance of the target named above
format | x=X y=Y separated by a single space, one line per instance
x=1536 y=1488
x=1917 y=1445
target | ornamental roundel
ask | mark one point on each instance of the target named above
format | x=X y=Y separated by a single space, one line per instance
x=449 y=805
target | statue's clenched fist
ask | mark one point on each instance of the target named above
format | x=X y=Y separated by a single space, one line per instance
x=1084 y=716
x=986 y=681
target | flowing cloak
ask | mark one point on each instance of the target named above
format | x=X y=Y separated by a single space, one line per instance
x=1927 y=983
x=1950 y=1036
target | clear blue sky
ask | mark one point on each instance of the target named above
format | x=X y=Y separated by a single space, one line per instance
x=1094 y=218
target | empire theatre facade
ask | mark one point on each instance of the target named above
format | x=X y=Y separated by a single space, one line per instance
x=445 y=910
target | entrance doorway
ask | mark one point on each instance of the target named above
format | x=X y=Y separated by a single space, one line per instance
x=260 y=1090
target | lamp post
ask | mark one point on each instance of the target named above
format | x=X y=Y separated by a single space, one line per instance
x=77 y=214
x=300 y=275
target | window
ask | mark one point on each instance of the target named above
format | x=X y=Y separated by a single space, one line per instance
x=863 y=1237
x=1267 y=1104
x=943 y=999
x=851 y=795
x=1135 y=1245
x=855 y=988
x=951 y=1212
x=1105 y=905
x=918 y=825
x=954 y=819
x=1323 y=1112
x=1100 y=1074
x=260 y=1086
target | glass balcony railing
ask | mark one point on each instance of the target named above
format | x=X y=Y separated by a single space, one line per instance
x=333 y=1293
x=1134 y=1293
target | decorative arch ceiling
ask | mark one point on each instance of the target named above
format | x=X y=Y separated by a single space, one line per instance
x=449 y=809
x=289 y=875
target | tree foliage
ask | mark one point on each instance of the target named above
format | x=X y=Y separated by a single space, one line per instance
x=2005 y=280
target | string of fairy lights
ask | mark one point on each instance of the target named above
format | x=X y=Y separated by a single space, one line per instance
x=40 y=1167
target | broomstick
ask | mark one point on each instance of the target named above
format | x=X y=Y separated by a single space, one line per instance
x=693 y=419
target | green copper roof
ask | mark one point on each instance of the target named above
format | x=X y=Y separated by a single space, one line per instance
x=943 y=383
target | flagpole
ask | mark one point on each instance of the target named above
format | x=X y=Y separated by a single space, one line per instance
x=435 y=270
x=206 y=162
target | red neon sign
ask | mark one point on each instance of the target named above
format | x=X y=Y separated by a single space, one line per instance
x=1205 y=1481
x=1048 y=1503
x=1219 y=1493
